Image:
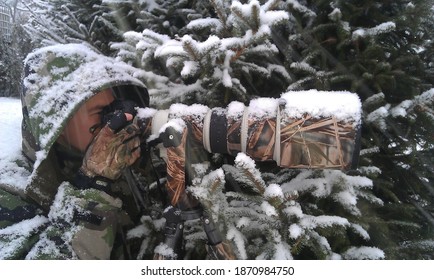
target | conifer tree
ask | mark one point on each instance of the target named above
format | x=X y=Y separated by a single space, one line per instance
x=216 y=51
x=61 y=21
x=228 y=51
x=270 y=217
x=379 y=50
x=13 y=49
x=232 y=51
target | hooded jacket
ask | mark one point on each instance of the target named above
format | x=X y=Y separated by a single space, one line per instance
x=59 y=79
x=53 y=219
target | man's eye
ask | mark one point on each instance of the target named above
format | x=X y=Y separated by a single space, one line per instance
x=94 y=127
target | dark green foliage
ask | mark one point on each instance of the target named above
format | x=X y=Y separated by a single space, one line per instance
x=382 y=50
x=385 y=66
x=12 y=52
x=60 y=21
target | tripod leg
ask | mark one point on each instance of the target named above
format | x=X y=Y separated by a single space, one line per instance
x=176 y=143
x=173 y=232
x=217 y=248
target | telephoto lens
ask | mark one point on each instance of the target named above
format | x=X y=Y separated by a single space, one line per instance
x=301 y=129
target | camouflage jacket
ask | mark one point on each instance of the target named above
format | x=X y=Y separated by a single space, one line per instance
x=49 y=218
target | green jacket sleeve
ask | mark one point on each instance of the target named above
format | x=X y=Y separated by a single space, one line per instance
x=20 y=225
x=81 y=225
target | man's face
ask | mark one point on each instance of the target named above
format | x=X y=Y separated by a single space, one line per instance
x=77 y=132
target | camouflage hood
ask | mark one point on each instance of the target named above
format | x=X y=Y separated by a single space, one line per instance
x=58 y=80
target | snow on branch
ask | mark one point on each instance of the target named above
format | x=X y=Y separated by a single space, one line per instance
x=378 y=117
x=205 y=23
x=364 y=253
x=345 y=106
x=379 y=29
x=247 y=164
x=311 y=222
x=301 y=8
x=344 y=189
x=254 y=15
x=425 y=101
x=238 y=238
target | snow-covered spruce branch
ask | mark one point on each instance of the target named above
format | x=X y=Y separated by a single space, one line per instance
x=274 y=223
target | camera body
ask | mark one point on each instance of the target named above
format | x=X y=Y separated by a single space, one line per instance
x=117 y=106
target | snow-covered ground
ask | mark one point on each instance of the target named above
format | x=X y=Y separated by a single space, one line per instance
x=10 y=127
x=10 y=144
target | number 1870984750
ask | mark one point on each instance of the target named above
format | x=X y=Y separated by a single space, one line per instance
x=260 y=270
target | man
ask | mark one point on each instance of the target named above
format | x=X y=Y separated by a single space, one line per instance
x=80 y=160
x=75 y=205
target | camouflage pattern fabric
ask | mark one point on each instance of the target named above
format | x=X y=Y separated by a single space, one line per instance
x=45 y=181
x=302 y=142
x=317 y=143
x=14 y=209
x=175 y=185
x=20 y=225
x=221 y=251
x=234 y=134
x=110 y=153
x=83 y=225
x=59 y=79
x=52 y=219
x=261 y=138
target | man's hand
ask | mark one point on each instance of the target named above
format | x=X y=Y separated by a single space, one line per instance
x=114 y=148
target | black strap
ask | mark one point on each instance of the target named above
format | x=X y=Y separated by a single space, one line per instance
x=218 y=132
x=87 y=217
x=81 y=181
